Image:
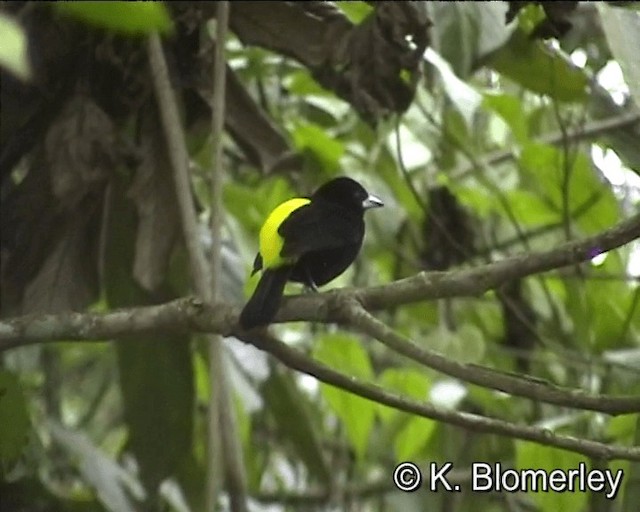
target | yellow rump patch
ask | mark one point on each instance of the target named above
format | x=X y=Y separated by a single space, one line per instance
x=270 y=241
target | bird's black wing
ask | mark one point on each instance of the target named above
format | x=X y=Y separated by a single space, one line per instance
x=316 y=227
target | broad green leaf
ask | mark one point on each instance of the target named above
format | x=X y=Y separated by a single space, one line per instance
x=455 y=34
x=412 y=438
x=127 y=17
x=530 y=16
x=487 y=316
x=623 y=140
x=156 y=380
x=534 y=456
x=493 y=32
x=156 y=383
x=14 y=420
x=156 y=374
x=579 y=308
x=405 y=381
x=356 y=12
x=464 y=97
x=415 y=432
x=623 y=428
x=622 y=28
x=113 y=485
x=301 y=83
x=290 y=409
x=598 y=309
x=632 y=475
x=536 y=67
x=345 y=354
x=398 y=186
x=509 y=108
x=528 y=208
x=313 y=138
x=477 y=199
x=201 y=377
x=252 y=205
x=467 y=31
x=467 y=344
x=545 y=168
x=13 y=48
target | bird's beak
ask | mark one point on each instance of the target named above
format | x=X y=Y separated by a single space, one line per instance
x=372 y=202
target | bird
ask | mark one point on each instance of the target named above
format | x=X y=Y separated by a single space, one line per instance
x=309 y=240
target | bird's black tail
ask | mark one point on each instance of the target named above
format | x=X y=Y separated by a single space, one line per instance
x=265 y=301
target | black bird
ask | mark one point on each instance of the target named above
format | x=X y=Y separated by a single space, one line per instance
x=307 y=240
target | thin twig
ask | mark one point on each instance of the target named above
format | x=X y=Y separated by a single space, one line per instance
x=295 y=359
x=588 y=131
x=222 y=422
x=174 y=136
x=482 y=376
x=373 y=489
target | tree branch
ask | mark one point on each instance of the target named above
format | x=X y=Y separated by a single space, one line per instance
x=588 y=131
x=191 y=314
x=366 y=490
x=325 y=307
x=295 y=359
x=513 y=384
x=222 y=318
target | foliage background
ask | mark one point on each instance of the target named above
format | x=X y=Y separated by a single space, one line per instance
x=485 y=138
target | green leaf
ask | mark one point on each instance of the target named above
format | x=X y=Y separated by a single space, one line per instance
x=344 y=353
x=493 y=32
x=534 y=456
x=398 y=186
x=127 y=17
x=301 y=83
x=622 y=28
x=623 y=428
x=13 y=48
x=411 y=440
x=455 y=34
x=599 y=309
x=477 y=199
x=292 y=413
x=464 y=97
x=467 y=344
x=356 y=12
x=632 y=476
x=121 y=224
x=544 y=169
x=156 y=373
x=467 y=31
x=156 y=380
x=113 y=485
x=416 y=432
x=528 y=208
x=14 y=420
x=405 y=381
x=535 y=67
x=325 y=148
x=252 y=205
x=509 y=108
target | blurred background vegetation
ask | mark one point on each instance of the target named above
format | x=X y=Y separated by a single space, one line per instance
x=489 y=129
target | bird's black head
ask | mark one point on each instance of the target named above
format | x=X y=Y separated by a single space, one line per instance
x=347 y=192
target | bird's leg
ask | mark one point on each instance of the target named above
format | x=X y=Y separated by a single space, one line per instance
x=310 y=283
